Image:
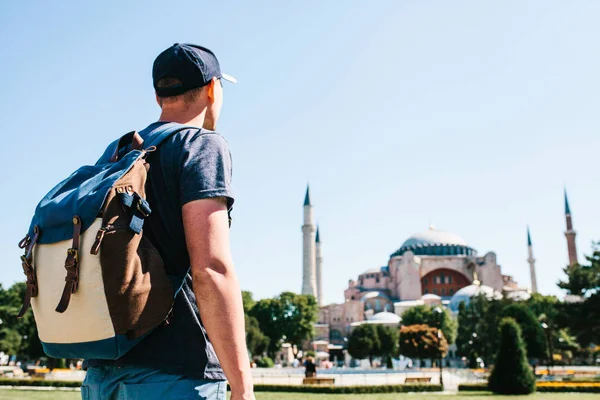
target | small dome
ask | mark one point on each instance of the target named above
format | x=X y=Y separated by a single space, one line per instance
x=465 y=294
x=518 y=295
x=430 y=296
x=385 y=318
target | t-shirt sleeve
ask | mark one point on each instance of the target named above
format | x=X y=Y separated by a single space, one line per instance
x=205 y=169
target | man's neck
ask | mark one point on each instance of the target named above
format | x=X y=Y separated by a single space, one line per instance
x=184 y=118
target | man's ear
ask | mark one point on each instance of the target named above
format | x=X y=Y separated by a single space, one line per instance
x=211 y=90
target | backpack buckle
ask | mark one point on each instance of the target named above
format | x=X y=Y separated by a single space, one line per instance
x=72 y=258
x=143 y=207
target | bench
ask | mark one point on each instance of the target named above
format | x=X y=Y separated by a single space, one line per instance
x=418 y=379
x=318 y=381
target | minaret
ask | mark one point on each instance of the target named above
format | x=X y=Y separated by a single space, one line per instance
x=570 y=233
x=309 y=268
x=319 y=263
x=531 y=262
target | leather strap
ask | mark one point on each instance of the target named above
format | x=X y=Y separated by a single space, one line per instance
x=132 y=138
x=72 y=267
x=31 y=289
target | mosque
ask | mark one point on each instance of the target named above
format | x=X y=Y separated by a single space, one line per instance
x=430 y=267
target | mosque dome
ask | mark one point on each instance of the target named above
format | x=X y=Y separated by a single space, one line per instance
x=385 y=318
x=465 y=294
x=434 y=242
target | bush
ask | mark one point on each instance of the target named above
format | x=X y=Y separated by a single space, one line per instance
x=512 y=373
x=265 y=362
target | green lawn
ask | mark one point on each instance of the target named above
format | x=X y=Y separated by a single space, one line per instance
x=6 y=394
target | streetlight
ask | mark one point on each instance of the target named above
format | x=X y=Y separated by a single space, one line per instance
x=439 y=335
x=549 y=345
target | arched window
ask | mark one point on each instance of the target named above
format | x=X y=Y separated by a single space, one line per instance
x=377 y=305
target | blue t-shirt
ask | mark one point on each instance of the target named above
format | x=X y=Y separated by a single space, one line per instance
x=190 y=165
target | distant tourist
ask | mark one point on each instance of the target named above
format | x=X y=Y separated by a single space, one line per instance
x=311 y=368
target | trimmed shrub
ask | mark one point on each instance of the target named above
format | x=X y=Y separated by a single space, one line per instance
x=512 y=373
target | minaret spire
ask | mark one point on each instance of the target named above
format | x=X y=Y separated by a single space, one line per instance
x=307 y=196
x=570 y=233
x=319 y=268
x=309 y=261
x=531 y=262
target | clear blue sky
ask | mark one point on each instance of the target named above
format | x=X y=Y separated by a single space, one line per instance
x=472 y=115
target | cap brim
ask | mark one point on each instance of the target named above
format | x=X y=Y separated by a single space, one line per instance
x=228 y=78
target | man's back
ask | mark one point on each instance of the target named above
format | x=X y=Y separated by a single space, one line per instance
x=189 y=192
x=191 y=165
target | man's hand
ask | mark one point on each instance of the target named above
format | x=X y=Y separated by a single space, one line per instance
x=217 y=290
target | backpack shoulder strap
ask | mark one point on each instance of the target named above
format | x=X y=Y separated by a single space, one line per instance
x=163 y=132
x=143 y=140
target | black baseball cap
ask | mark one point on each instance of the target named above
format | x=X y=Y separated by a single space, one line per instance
x=193 y=65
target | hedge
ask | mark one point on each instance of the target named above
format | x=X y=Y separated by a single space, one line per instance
x=362 y=389
x=38 y=382
x=556 y=387
x=473 y=387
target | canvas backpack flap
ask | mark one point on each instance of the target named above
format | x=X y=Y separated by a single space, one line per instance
x=141 y=295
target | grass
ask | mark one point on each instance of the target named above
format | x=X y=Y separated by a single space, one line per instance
x=7 y=394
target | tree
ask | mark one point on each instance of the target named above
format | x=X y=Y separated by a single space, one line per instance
x=288 y=318
x=531 y=331
x=388 y=341
x=583 y=318
x=426 y=315
x=422 y=342
x=511 y=373
x=369 y=341
x=364 y=342
x=248 y=301
x=478 y=327
x=18 y=335
x=256 y=341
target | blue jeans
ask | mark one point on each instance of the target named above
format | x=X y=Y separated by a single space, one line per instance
x=133 y=383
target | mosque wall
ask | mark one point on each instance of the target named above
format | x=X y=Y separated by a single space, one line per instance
x=455 y=263
x=409 y=277
x=489 y=272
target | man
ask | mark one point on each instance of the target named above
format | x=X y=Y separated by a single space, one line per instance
x=189 y=190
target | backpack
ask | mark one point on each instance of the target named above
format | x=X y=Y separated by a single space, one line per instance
x=96 y=284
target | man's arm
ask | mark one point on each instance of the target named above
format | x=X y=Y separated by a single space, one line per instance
x=217 y=289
